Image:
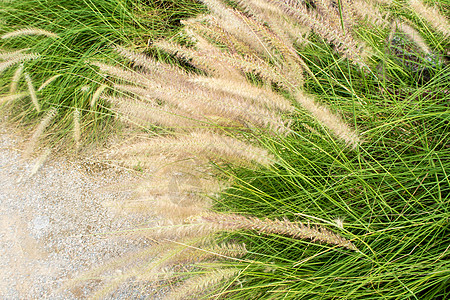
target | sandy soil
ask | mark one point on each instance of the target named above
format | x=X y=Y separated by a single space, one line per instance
x=50 y=225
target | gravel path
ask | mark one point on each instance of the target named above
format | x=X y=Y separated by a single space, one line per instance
x=48 y=226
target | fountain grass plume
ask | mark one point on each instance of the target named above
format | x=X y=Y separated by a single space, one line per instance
x=284 y=227
x=432 y=16
x=15 y=79
x=20 y=57
x=48 y=82
x=77 y=128
x=13 y=97
x=38 y=132
x=32 y=91
x=199 y=284
x=29 y=31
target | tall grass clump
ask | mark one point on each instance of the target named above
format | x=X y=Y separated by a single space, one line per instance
x=383 y=190
x=354 y=202
x=67 y=35
x=389 y=196
x=298 y=150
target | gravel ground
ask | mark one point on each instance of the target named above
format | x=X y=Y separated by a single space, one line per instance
x=49 y=223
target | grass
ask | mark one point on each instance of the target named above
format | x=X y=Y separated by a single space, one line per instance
x=389 y=195
x=392 y=197
x=87 y=29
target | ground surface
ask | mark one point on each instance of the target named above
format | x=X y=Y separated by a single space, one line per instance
x=50 y=224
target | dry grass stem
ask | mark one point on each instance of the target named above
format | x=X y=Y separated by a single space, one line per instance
x=175 y=184
x=210 y=60
x=220 y=63
x=176 y=212
x=171 y=230
x=162 y=263
x=206 y=28
x=122 y=74
x=189 y=253
x=128 y=259
x=150 y=65
x=330 y=12
x=133 y=261
x=203 y=104
x=235 y=25
x=110 y=287
x=283 y=27
x=207 y=56
x=146 y=113
x=209 y=223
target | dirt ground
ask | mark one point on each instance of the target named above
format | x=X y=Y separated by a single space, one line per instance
x=52 y=226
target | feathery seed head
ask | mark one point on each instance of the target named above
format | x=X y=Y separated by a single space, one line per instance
x=85 y=88
x=205 y=146
x=97 y=94
x=366 y=10
x=16 y=78
x=13 y=97
x=259 y=96
x=199 y=284
x=40 y=162
x=48 y=81
x=46 y=120
x=17 y=59
x=282 y=227
x=147 y=113
x=339 y=223
x=330 y=120
x=414 y=35
x=29 y=31
x=32 y=92
x=77 y=127
x=12 y=55
x=432 y=16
